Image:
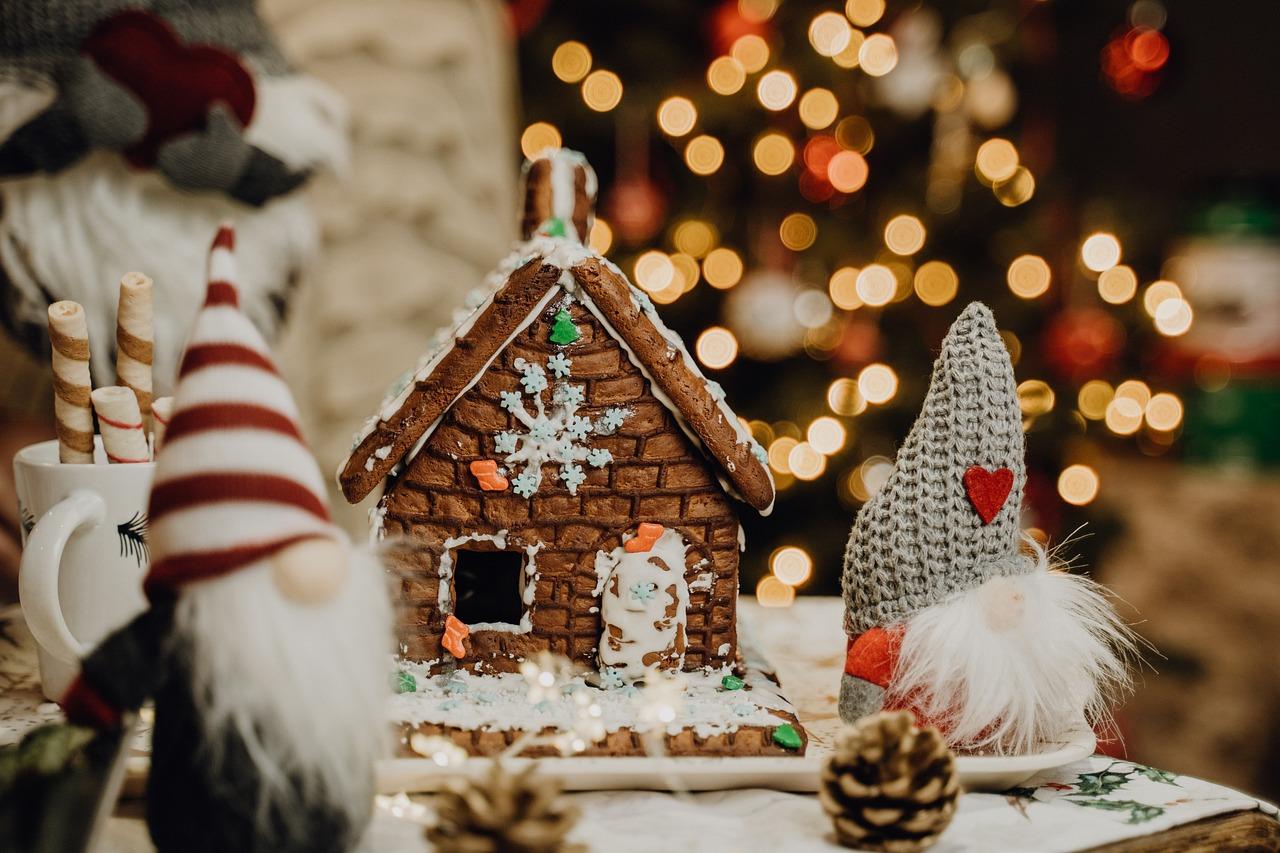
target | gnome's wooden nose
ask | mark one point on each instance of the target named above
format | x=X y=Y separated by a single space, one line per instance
x=559 y=196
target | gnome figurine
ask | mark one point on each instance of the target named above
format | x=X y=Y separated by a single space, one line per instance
x=951 y=611
x=267 y=640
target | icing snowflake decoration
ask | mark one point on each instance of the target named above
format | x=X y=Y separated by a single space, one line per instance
x=557 y=434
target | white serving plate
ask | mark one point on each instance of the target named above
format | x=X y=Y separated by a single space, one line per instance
x=799 y=774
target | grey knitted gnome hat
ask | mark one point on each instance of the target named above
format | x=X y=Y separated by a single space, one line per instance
x=947 y=518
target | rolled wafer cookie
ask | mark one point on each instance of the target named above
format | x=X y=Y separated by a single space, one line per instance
x=135 y=339
x=161 y=414
x=69 y=334
x=123 y=436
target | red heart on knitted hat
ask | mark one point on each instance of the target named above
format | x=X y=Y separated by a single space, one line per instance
x=177 y=82
x=988 y=490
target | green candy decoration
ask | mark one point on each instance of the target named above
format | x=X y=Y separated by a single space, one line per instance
x=787 y=737
x=553 y=227
x=563 y=331
x=404 y=682
x=731 y=682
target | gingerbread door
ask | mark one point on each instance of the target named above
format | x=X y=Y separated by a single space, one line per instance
x=644 y=603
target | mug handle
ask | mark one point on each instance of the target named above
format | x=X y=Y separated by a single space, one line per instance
x=39 y=569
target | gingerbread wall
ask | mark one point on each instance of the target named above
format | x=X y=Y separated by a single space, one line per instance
x=657 y=475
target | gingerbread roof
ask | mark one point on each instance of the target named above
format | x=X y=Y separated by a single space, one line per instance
x=542 y=271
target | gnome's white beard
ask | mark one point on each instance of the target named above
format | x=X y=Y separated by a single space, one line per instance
x=1017 y=663
x=303 y=686
x=73 y=234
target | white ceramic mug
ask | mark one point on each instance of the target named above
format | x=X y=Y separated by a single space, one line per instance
x=84 y=553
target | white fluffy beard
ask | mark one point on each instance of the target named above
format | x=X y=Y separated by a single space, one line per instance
x=303 y=686
x=1019 y=662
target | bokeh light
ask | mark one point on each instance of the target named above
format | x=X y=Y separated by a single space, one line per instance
x=1164 y=412
x=538 y=137
x=855 y=133
x=1093 y=398
x=936 y=283
x=602 y=90
x=826 y=434
x=791 y=565
x=780 y=453
x=1136 y=390
x=773 y=153
x=653 y=271
x=818 y=108
x=751 y=51
x=1124 y=415
x=876 y=285
x=844 y=398
x=771 y=592
x=725 y=75
x=686 y=270
x=829 y=33
x=1017 y=189
x=848 y=58
x=864 y=13
x=601 y=238
x=878 y=55
x=776 y=90
x=722 y=268
x=716 y=348
x=1118 y=284
x=677 y=116
x=695 y=237
x=757 y=10
x=877 y=383
x=1029 y=276
x=847 y=171
x=843 y=288
x=1157 y=292
x=1100 y=252
x=1173 y=317
x=904 y=235
x=571 y=61
x=1078 y=484
x=812 y=308
x=798 y=231
x=996 y=160
x=704 y=155
x=1035 y=397
x=805 y=462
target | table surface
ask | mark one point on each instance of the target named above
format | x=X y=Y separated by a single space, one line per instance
x=1092 y=804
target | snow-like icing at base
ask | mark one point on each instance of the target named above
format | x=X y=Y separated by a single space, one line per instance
x=500 y=703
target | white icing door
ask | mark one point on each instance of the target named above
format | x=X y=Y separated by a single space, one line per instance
x=643 y=606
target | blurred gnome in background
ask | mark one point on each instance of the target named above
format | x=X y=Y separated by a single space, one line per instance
x=268 y=637
x=951 y=611
x=128 y=131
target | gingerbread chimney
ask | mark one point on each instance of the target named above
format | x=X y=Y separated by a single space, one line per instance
x=559 y=196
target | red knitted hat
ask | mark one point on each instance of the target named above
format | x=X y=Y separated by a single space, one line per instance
x=235 y=481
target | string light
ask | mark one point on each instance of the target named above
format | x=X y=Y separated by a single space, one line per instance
x=829 y=33
x=1016 y=189
x=722 y=268
x=1124 y=415
x=877 y=383
x=798 y=231
x=848 y=58
x=704 y=155
x=695 y=237
x=843 y=288
x=776 y=90
x=751 y=51
x=771 y=592
x=876 y=285
x=780 y=454
x=757 y=11
x=847 y=171
x=602 y=90
x=1157 y=292
x=725 y=75
x=936 y=283
x=878 y=55
x=654 y=271
x=601 y=236
x=864 y=13
x=677 y=116
x=1078 y=484
x=1173 y=317
x=686 y=270
x=904 y=235
x=1093 y=398
x=538 y=137
x=843 y=397
x=826 y=435
x=716 y=348
x=1029 y=276
x=818 y=108
x=996 y=160
x=773 y=153
x=791 y=565
x=1164 y=412
x=571 y=61
x=1118 y=284
x=1100 y=252
x=1035 y=397
x=1136 y=390
x=805 y=462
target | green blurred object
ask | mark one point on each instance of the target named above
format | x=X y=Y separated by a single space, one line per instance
x=1234 y=426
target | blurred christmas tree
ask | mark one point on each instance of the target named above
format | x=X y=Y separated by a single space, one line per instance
x=812 y=192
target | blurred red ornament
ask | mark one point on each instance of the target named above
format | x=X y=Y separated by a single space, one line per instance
x=818 y=152
x=815 y=188
x=1148 y=49
x=1081 y=343
x=525 y=14
x=635 y=208
x=727 y=25
x=1132 y=61
x=860 y=344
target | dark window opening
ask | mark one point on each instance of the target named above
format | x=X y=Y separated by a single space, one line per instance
x=487 y=586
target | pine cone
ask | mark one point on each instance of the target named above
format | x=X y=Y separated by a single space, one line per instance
x=503 y=812
x=890 y=786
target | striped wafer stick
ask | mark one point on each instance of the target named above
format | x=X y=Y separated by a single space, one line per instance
x=123 y=436
x=69 y=334
x=161 y=414
x=134 y=339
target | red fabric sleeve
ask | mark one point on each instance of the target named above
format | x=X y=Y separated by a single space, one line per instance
x=85 y=707
x=873 y=655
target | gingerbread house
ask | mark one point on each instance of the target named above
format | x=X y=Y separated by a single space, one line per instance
x=569 y=479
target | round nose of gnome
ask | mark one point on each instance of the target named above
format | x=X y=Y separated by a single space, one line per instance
x=235 y=485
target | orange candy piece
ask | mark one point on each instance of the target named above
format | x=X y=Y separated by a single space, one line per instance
x=455 y=631
x=646 y=534
x=486 y=472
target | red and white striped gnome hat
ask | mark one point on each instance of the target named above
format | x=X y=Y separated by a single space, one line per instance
x=235 y=481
